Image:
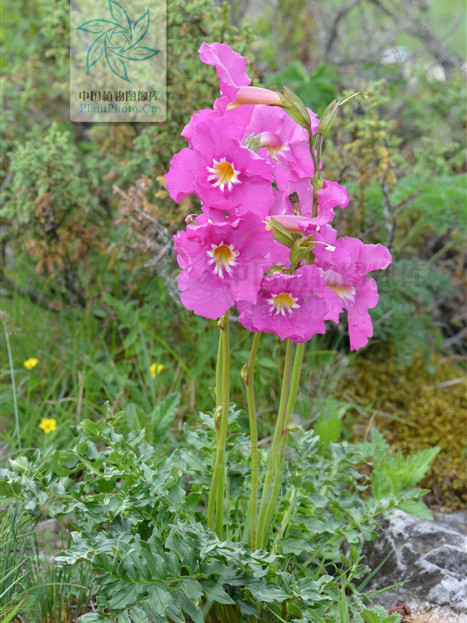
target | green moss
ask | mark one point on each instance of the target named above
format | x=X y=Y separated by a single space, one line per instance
x=430 y=409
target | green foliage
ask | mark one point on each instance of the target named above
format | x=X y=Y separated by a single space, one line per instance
x=408 y=302
x=328 y=425
x=378 y=615
x=394 y=474
x=47 y=185
x=137 y=521
x=436 y=121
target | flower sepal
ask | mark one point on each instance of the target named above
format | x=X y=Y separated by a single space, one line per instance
x=294 y=106
x=281 y=233
x=302 y=249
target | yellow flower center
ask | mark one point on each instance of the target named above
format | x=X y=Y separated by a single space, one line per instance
x=223 y=257
x=283 y=304
x=223 y=174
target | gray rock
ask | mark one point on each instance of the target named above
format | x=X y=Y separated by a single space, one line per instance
x=430 y=557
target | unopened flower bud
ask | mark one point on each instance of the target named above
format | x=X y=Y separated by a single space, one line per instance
x=328 y=117
x=257 y=95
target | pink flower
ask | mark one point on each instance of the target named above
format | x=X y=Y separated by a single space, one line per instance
x=222 y=263
x=348 y=286
x=292 y=306
x=333 y=195
x=230 y=67
x=283 y=143
x=233 y=79
x=220 y=170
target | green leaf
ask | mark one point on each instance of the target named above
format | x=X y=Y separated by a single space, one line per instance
x=163 y=415
x=189 y=607
x=191 y=587
x=159 y=597
x=379 y=615
x=64 y=462
x=126 y=594
x=418 y=508
x=328 y=429
x=267 y=593
x=138 y=615
x=216 y=593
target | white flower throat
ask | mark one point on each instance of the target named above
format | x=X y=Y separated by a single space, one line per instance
x=223 y=258
x=283 y=304
x=223 y=174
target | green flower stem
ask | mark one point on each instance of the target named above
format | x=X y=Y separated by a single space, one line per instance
x=222 y=381
x=292 y=397
x=218 y=380
x=218 y=484
x=275 y=453
x=297 y=367
x=250 y=395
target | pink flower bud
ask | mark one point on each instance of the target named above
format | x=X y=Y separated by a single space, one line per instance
x=257 y=95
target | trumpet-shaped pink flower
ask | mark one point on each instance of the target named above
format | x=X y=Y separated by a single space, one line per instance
x=222 y=263
x=230 y=67
x=292 y=306
x=221 y=171
x=331 y=196
x=349 y=287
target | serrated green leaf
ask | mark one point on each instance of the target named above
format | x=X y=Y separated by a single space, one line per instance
x=191 y=587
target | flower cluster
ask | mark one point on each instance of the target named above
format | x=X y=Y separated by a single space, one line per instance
x=263 y=240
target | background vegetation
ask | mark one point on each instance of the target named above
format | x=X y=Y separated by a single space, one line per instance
x=88 y=274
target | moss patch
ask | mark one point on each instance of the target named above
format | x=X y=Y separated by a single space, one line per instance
x=433 y=410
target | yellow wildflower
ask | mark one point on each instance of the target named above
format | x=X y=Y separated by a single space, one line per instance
x=155 y=369
x=31 y=363
x=48 y=424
